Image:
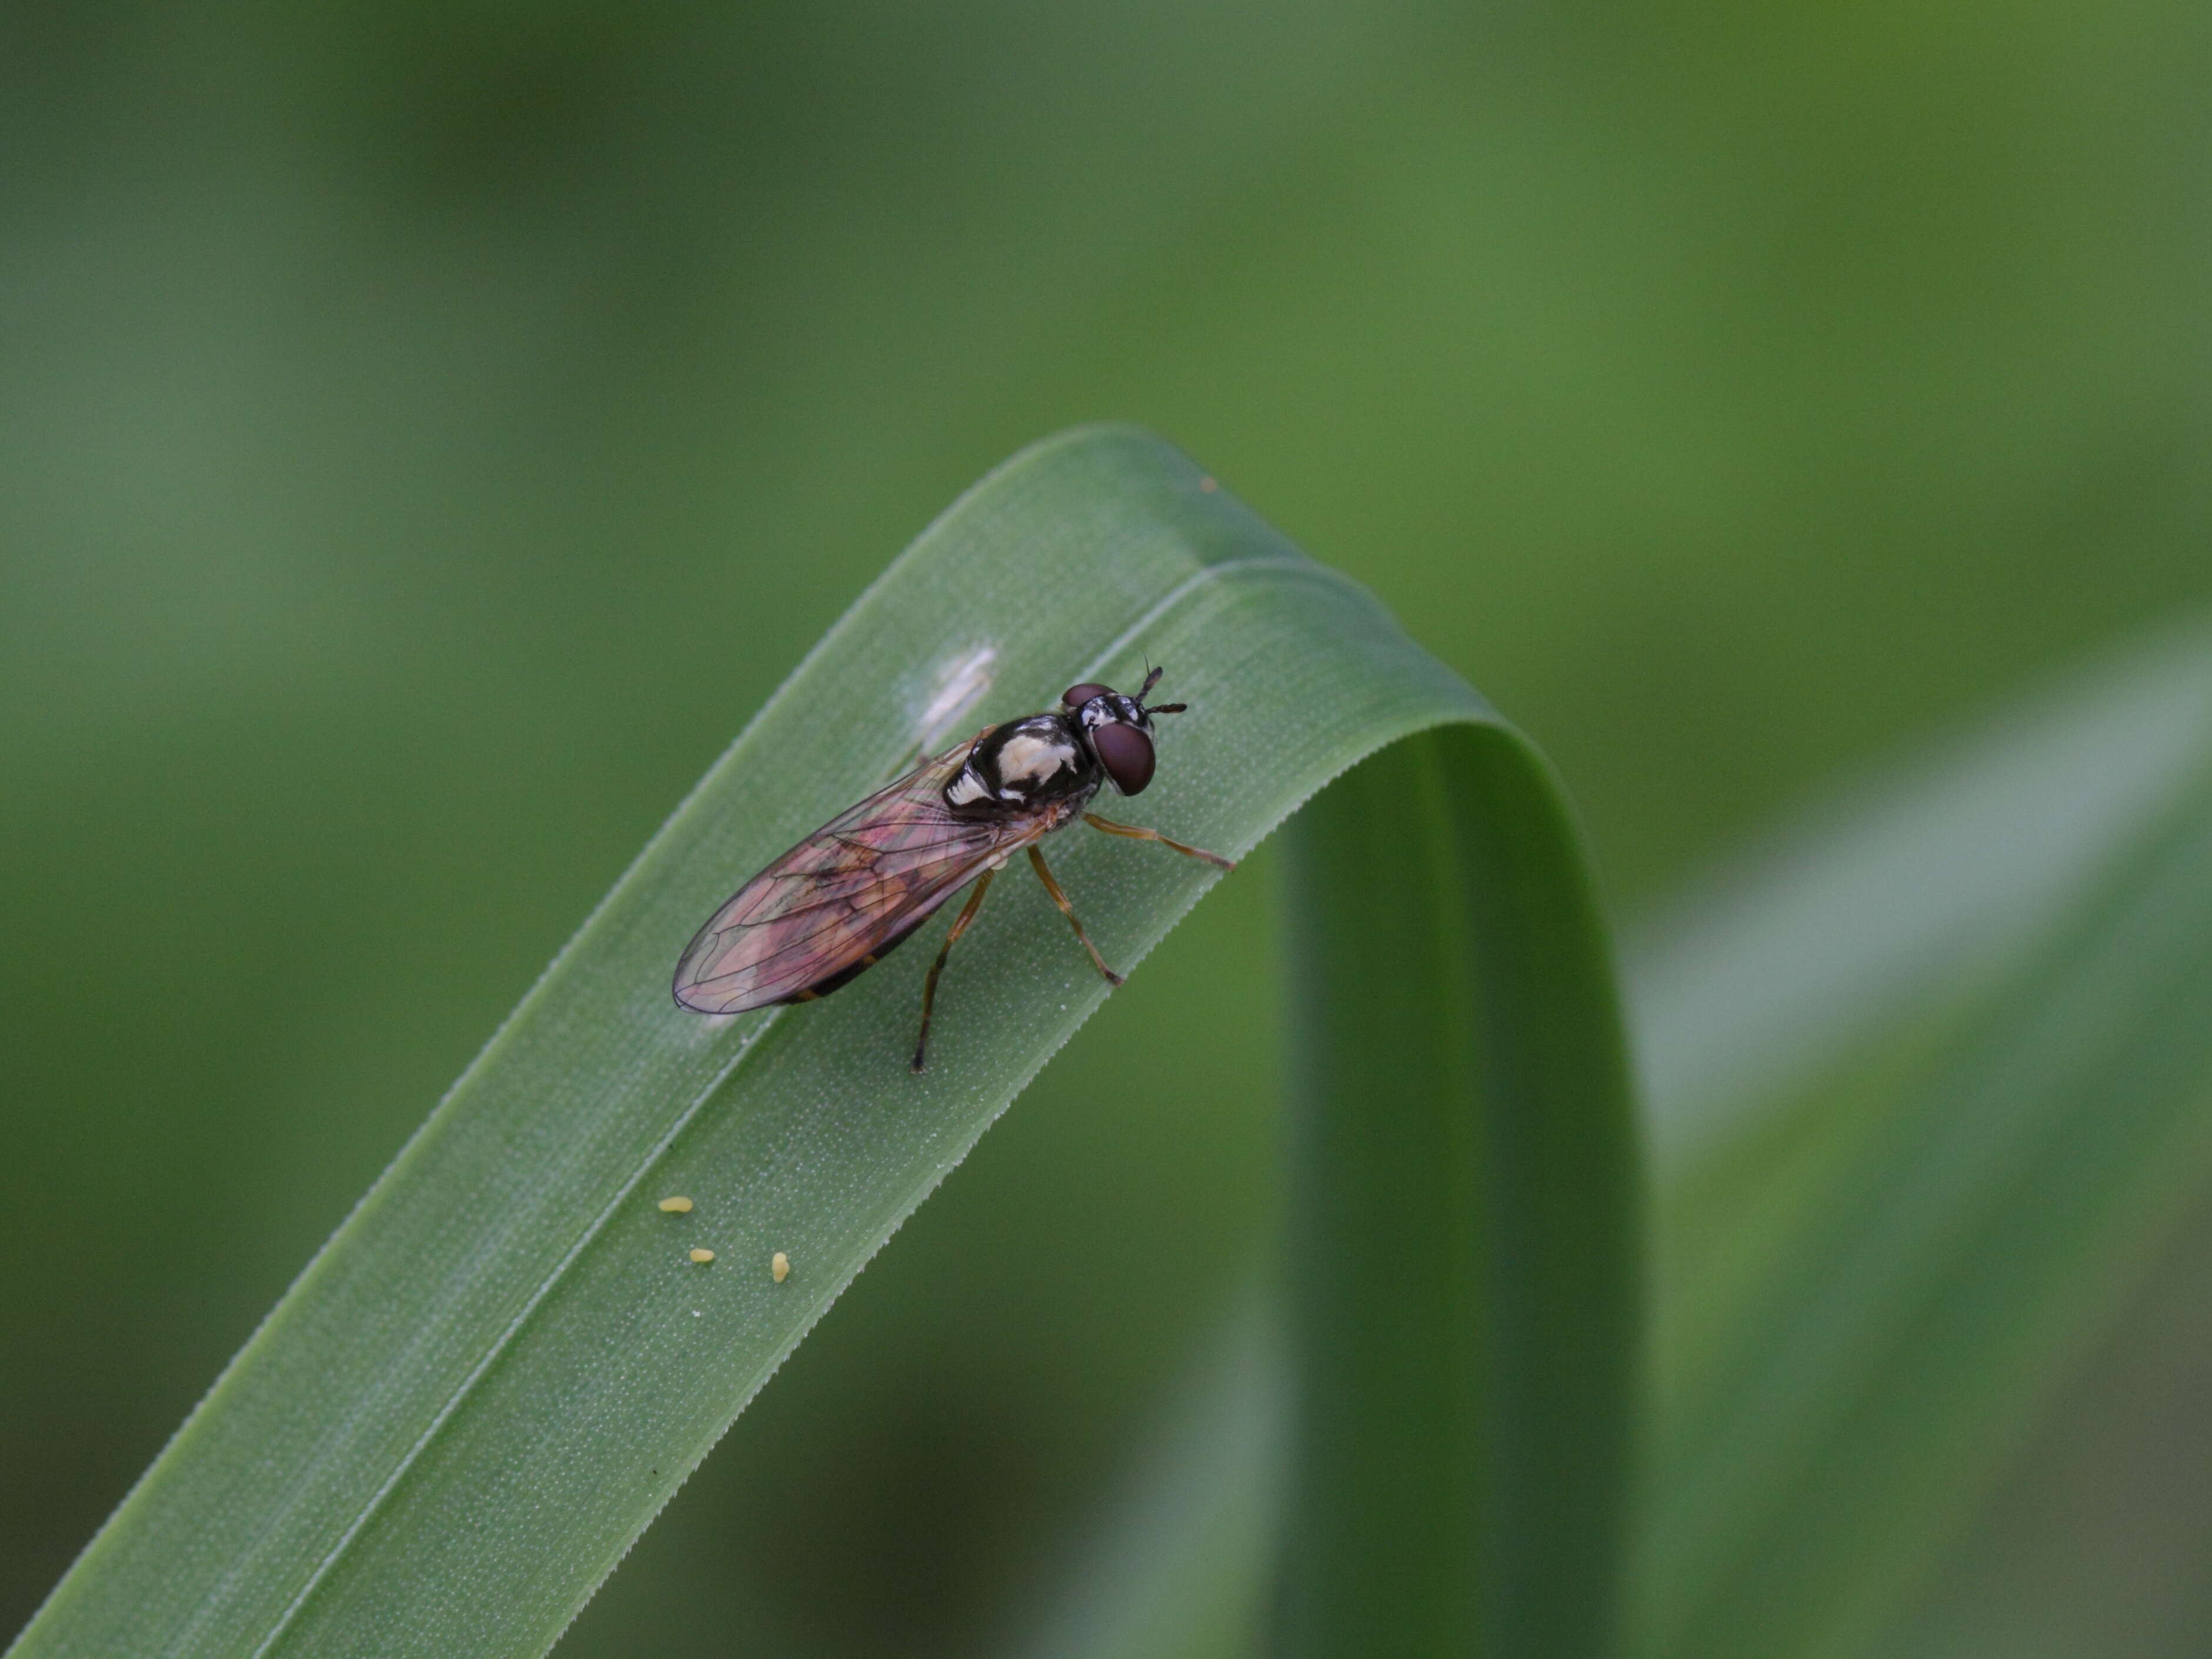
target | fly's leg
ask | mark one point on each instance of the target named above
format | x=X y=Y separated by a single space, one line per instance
x=929 y=985
x=1044 y=875
x=1135 y=833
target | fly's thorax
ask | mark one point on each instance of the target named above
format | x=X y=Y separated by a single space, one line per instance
x=1021 y=764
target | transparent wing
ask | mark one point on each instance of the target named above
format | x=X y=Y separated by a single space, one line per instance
x=844 y=895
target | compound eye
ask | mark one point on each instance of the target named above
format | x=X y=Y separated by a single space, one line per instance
x=1126 y=755
x=1076 y=696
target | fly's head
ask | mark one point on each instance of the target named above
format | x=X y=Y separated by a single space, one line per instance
x=1118 y=730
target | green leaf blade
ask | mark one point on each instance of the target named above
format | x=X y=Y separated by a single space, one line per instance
x=1465 y=1142
x=497 y=1371
x=1872 y=1292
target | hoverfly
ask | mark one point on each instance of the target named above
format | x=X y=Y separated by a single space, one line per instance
x=852 y=892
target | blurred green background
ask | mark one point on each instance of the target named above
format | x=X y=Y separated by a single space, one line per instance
x=426 y=433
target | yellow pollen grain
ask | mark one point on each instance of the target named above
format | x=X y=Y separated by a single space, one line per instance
x=702 y=1256
x=676 y=1206
x=780 y=1267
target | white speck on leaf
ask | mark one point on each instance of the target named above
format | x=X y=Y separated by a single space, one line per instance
x=957 y=686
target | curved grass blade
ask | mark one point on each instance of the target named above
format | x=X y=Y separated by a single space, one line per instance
x=1461 y=1144
x=493 y=1377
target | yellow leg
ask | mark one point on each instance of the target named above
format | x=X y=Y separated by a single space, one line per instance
x=1135 y=833
x=1044 y=875
x=929 y=985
